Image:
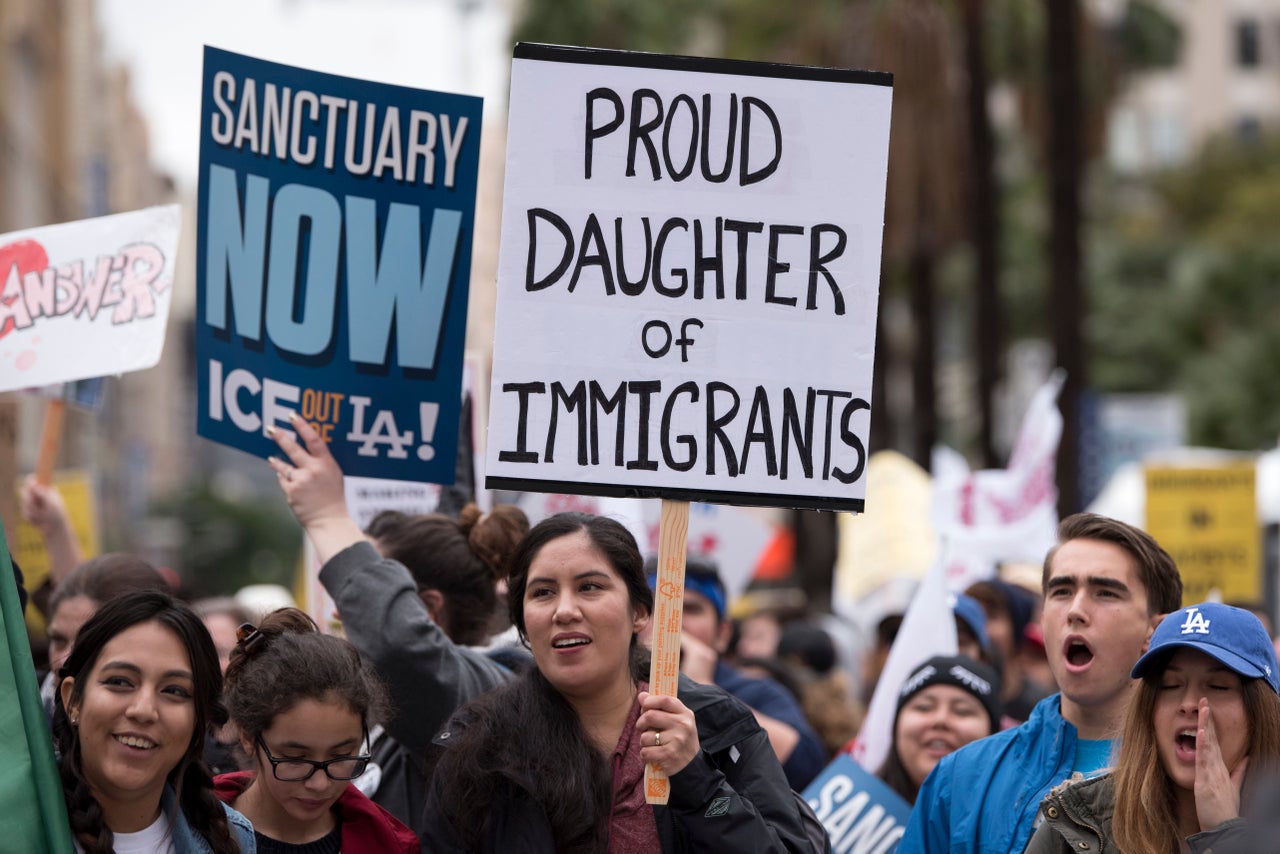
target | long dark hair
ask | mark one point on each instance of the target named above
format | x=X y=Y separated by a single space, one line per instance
x=285 y=660
x=461 y=558
x=190 y=777
x=524 y=739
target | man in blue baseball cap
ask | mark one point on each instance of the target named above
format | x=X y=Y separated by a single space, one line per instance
x=704 y=637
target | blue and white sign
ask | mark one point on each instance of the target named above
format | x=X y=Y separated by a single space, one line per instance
x=858 y=810
x=335 y=227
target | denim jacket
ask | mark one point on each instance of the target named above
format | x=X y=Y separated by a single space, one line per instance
x=187 y=841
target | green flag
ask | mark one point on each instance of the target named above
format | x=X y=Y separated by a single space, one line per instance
x=33 y=817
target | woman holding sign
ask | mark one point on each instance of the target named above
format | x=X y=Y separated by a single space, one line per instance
x=555 y=760
x=1202 y=728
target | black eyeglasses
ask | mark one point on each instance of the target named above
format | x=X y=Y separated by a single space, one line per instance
x=297 y=770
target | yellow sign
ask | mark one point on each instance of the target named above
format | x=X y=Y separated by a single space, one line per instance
x=1207 y=519
x=76 y=489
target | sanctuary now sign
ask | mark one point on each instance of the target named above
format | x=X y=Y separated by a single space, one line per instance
x=688 y=278
x=335 y=227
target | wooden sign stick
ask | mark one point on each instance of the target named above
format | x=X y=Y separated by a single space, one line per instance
x=50 y=439
x=668 y=607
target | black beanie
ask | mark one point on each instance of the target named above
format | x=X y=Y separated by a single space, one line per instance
x=961 y=671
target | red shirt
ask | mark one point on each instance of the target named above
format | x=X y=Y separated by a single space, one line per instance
x=632 y=826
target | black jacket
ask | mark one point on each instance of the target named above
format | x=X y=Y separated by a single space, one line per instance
x=731 y=797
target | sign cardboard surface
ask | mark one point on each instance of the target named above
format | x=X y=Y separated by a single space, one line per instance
x=85 y=299
x=688 y=279
x=1207 y=519
x=858 y=810
x=335 y=227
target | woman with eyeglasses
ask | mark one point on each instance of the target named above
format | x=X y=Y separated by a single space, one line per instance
x=301 y=702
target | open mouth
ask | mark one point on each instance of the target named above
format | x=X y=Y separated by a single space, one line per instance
x=1078 y=653
x=938 y=747
x=1186 y=744
x=135 y=742
x=569 y=643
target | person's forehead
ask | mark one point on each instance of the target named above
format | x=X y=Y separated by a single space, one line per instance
x=695 y=598
x=73 y=612
x=947 y=694
x=1082 y=560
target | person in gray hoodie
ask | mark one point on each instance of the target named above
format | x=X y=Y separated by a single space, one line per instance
x=414 y=594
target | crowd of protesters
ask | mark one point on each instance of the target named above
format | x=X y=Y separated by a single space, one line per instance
x=489 y=693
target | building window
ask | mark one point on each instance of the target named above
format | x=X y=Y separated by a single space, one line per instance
x=1248 y=48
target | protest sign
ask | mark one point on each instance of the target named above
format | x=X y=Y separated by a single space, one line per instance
x=1207 y=519
x=85 y=299
x=688 y=279
x=335 y=228
x=858 y=810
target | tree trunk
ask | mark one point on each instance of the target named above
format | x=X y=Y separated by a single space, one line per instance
x=1066 y=289
x=924 y=384
x=984 y=212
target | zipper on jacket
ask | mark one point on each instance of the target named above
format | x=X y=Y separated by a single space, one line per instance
x=1062 y=803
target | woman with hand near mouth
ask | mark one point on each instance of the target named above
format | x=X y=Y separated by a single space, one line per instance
x=301 y=702
x=946 y=702
x=135 y=699
x=1203 y=723
x=554 y=761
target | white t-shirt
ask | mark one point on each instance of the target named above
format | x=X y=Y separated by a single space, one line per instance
x=156 y=838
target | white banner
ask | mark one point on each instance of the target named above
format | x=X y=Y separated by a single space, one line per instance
x=987 y=517
x=85 y=299
x=928 y=629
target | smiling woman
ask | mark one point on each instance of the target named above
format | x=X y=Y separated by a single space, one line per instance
x=947 y=702
x=136 y=698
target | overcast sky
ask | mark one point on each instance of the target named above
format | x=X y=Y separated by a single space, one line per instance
x=427 y=44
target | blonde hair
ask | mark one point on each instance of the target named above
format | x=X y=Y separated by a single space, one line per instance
x=1145 y=821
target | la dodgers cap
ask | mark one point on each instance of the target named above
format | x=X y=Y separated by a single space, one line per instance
x=1233 y=636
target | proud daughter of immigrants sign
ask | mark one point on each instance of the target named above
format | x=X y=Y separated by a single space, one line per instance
x=688 y=278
